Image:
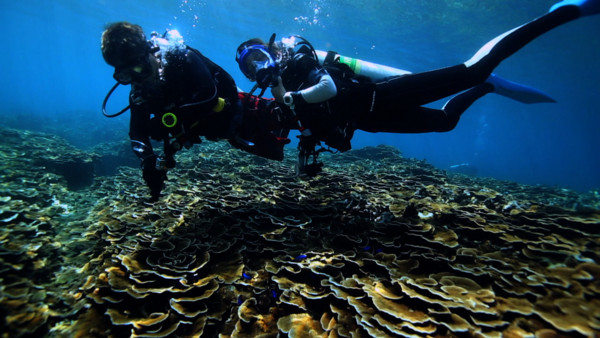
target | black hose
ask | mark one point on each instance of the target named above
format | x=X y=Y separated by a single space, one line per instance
x=106 y=100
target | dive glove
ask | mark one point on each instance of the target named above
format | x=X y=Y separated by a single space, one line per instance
x=292 y=98
x=154 y=177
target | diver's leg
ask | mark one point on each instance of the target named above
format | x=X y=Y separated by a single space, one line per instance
x=423 y=120
x=410 y=120
x=417 y=119
x=457 y=105
x=422 y=88
x=495 y=51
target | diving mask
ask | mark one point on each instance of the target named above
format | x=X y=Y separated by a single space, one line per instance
x=137 y=70
x=257 y=64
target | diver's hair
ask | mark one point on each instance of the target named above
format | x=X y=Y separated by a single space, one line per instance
x=123 y=42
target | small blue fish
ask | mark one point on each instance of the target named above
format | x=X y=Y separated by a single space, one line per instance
x=274 y=293
x=240 y=300
x=247 y=276
x=300 y=257
x=367 y=248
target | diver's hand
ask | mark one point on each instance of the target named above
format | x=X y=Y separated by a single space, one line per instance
x=154 y=177
x=291 y=98
x=155 y=181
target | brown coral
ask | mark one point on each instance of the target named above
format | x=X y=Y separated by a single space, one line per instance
x=238 y=246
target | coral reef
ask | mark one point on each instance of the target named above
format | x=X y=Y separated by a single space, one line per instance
x=377 y=245
x=109 y=156
x=39 y=261
x=47 y=153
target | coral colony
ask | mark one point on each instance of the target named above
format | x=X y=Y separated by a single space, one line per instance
x=377 y=245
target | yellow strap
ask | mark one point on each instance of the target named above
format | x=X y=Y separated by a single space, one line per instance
x=220 y=105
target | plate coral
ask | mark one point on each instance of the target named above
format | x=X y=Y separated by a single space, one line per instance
x=237 y=246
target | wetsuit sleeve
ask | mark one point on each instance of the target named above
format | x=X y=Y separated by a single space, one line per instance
x=318 y=86
x=324 y=90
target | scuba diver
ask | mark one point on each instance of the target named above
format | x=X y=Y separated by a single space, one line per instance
x=178 y=95
x=332 y=96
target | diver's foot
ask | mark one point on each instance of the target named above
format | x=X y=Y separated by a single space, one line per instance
x=586 y=7
x=517 y=91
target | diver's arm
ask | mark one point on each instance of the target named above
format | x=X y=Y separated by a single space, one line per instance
x=139 y=125
x=139 y=134
x=324 y=90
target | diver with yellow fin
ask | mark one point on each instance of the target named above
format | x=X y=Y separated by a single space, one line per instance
x=333 y=96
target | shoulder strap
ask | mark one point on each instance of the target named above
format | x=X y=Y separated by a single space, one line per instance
x=303 y=43
x=329 y=58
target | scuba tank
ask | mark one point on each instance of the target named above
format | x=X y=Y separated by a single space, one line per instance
x=372 y=70
x=369 y=69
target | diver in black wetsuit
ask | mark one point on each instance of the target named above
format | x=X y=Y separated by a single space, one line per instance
x=332 y=107
x=177 y=95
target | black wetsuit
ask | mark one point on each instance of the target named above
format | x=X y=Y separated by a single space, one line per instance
x=397 y=101
x=190 y=88
x=328 y=121
x=186 y=104
x=395 y=104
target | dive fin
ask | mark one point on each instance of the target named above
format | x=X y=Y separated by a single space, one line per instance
x=517 y=91
x=586 y=7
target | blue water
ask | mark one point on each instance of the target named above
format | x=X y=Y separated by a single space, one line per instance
x=53 y=73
